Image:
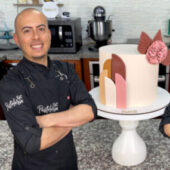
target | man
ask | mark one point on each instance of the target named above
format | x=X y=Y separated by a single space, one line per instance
x=165 y=122
x=36 y=97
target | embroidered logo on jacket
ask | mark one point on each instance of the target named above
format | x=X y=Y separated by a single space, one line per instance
x=61 y=76
x=18 y=100
x=48 y=109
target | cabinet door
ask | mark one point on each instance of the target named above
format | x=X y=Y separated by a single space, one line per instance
x=86 y=72
x=9 y=64
x=77 y=66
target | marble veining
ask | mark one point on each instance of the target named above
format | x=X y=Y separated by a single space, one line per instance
x=94 y=142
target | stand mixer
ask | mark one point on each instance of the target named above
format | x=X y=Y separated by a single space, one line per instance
x=99 y=29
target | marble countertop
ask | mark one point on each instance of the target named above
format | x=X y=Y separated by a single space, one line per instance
x=82 y=53
x=94 y=142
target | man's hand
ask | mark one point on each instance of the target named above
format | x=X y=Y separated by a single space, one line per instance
x=52 y=135
x=167 y=129
x=42 y=120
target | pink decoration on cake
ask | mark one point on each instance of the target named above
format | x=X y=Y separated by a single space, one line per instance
x=144 y=42
x=158 y=36
x=157 y=52
x=120 y=91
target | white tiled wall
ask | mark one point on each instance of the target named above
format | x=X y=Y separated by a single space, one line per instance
x=130 y=17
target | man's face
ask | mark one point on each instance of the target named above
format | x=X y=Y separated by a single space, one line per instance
x=32 y=35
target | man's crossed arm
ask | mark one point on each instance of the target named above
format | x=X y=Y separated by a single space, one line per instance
x=57 y=125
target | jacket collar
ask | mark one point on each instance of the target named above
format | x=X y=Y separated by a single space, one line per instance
x=37 y=65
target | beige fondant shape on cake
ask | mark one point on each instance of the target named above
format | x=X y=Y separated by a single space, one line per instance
x=110 y=92
x=118 y=66
x=107 y=66
x=103 y=74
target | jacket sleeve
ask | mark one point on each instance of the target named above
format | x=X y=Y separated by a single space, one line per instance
x=78 y=92
x=165 y=120
x=19 y=114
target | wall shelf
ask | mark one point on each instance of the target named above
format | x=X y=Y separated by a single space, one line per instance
x=23 y=5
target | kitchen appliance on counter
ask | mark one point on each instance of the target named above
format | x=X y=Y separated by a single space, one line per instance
x=66 y=36
x=7 y=36
x=99 y=29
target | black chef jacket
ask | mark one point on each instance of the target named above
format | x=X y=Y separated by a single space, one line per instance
x=165 y=120
x=31 y=89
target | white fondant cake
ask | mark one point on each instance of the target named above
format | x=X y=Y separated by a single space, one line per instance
x=141 y=76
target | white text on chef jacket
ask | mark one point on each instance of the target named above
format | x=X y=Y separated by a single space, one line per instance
x=48 y=109
x=18 y=100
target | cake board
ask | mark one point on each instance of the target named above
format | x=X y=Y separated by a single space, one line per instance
x=129 y=148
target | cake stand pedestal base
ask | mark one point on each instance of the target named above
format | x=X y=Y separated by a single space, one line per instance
x=129 y=148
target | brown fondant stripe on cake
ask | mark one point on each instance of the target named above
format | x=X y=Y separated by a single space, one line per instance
x=103 y=74
x=107 y=66
x=117 y=66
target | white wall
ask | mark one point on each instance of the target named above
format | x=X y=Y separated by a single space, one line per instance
x=7 y=12
x=130 y=17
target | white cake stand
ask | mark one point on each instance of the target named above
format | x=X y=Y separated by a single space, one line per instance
x=129 y=148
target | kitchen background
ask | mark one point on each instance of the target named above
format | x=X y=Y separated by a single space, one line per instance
x=129 y=17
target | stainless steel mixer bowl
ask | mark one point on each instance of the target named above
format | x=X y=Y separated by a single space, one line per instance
x=100 y=30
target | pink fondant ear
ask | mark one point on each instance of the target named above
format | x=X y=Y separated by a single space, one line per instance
x=158 y=36
x=166 y=62
x=144 y=42
x=120 y=92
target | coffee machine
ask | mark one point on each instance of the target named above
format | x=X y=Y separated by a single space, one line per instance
x=99 y=29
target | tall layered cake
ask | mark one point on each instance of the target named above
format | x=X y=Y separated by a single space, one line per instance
x=129 y=73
